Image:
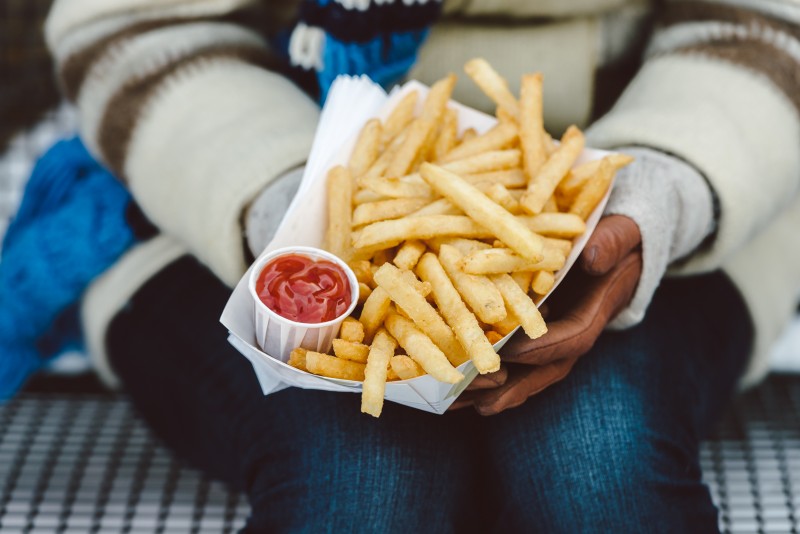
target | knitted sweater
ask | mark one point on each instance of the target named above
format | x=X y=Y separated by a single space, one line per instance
x=188 y=103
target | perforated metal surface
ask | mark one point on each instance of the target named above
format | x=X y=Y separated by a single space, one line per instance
x=74 y=463
x=80 y=464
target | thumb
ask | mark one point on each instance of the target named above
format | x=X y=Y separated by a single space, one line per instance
x=613 y=239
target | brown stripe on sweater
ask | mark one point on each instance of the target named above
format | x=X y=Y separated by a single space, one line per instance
x=780 y=67
x=682 y=12
x=74 y=69
x=125 y=106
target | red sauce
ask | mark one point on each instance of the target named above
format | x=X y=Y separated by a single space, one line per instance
x=304 y=290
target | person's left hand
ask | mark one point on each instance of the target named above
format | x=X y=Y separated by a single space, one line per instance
x=610 y=267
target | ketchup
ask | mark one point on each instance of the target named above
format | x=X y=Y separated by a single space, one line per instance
x=303 y=290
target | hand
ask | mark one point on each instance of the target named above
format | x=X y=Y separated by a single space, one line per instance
x=608 y=274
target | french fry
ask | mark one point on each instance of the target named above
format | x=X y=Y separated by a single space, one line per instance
x=476 y=205
x=560 y=225
x=386 y=234
x=531 y=129
x=421 y=312
x=378 y=168
x=523 y=307
x=423 y=288
x=384 y=255
x=593 y=192
x=365 y=196
x=350 y=350
x=438 y=97
x=367 y=148
x=501 y=136
x=564 y=245
x=542 y=282
x=401 y=116
x=504 y=116
x=412 y=144
x=549 y=145
x=461 y=320
x=409 y=254
x=577 y=177
x=364 y=291
x=387 y=209
x=405 y=367
x=297 y=359
x=503 y=260
x=447 y=136
x=351 y=330
x=480 y=294
x=551 y=206
x=391 y=376
x=493 y=85
x=495 y=160
x=325 y=365
x=507 y=325
x=422 y=349
x=543 y=185
x=373 y=312
x=340 y=199
x=375 y=373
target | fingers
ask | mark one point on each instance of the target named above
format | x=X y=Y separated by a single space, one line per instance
x=490 y=380
x=520 y=387
x=574 y=334
x=613 y=239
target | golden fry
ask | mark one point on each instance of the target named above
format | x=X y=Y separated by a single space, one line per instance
x=422 y=349
x=561 y=225
x=493 y=85
x=478 y=206
x=406 y=368
x=374 y=312
x=351 y=330
x=510 y=179
x=577 y=177
x=480 y=294
x=364 y=291
x=367 y=148
x=349 y=350
x=531 y=129
x=523 y=279
x=438 y=207
x=297 y=359
x=375 y=373
x=421 y=312
x=494 y=337
x=522 y=306
x=593 y=192
x=362 y=270
x=409 y=254
x=461 y=320
x=387 y=209
x=543 y=185
x=502 y=197
x=464 y=246
x=325 y=365
x=386 y=234
x=448 y=135
x=543 y=282
x=401 y=116
x=340 y=198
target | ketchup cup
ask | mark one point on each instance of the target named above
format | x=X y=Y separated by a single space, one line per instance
x=276 y=334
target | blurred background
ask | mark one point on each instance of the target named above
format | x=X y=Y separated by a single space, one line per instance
x=75 y=458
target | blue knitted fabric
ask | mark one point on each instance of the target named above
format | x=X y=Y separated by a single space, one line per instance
x=381 y=39
x=70 y=227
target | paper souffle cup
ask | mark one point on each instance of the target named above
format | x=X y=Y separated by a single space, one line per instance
x=279 y=336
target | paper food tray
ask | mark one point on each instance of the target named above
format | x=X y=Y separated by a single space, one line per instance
x=351 y=102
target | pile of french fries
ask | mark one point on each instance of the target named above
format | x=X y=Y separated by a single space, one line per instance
x=453 y=238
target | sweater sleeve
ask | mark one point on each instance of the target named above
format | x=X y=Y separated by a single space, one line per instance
x=186 y=108
x=720 y=90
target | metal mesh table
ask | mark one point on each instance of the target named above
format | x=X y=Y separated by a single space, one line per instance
x=78 y=463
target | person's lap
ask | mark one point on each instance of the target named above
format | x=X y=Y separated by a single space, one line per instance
x=613 y=445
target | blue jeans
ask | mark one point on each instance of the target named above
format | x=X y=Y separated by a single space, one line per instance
x=612 y=448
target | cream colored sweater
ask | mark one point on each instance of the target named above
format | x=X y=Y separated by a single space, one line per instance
x=182 y=105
